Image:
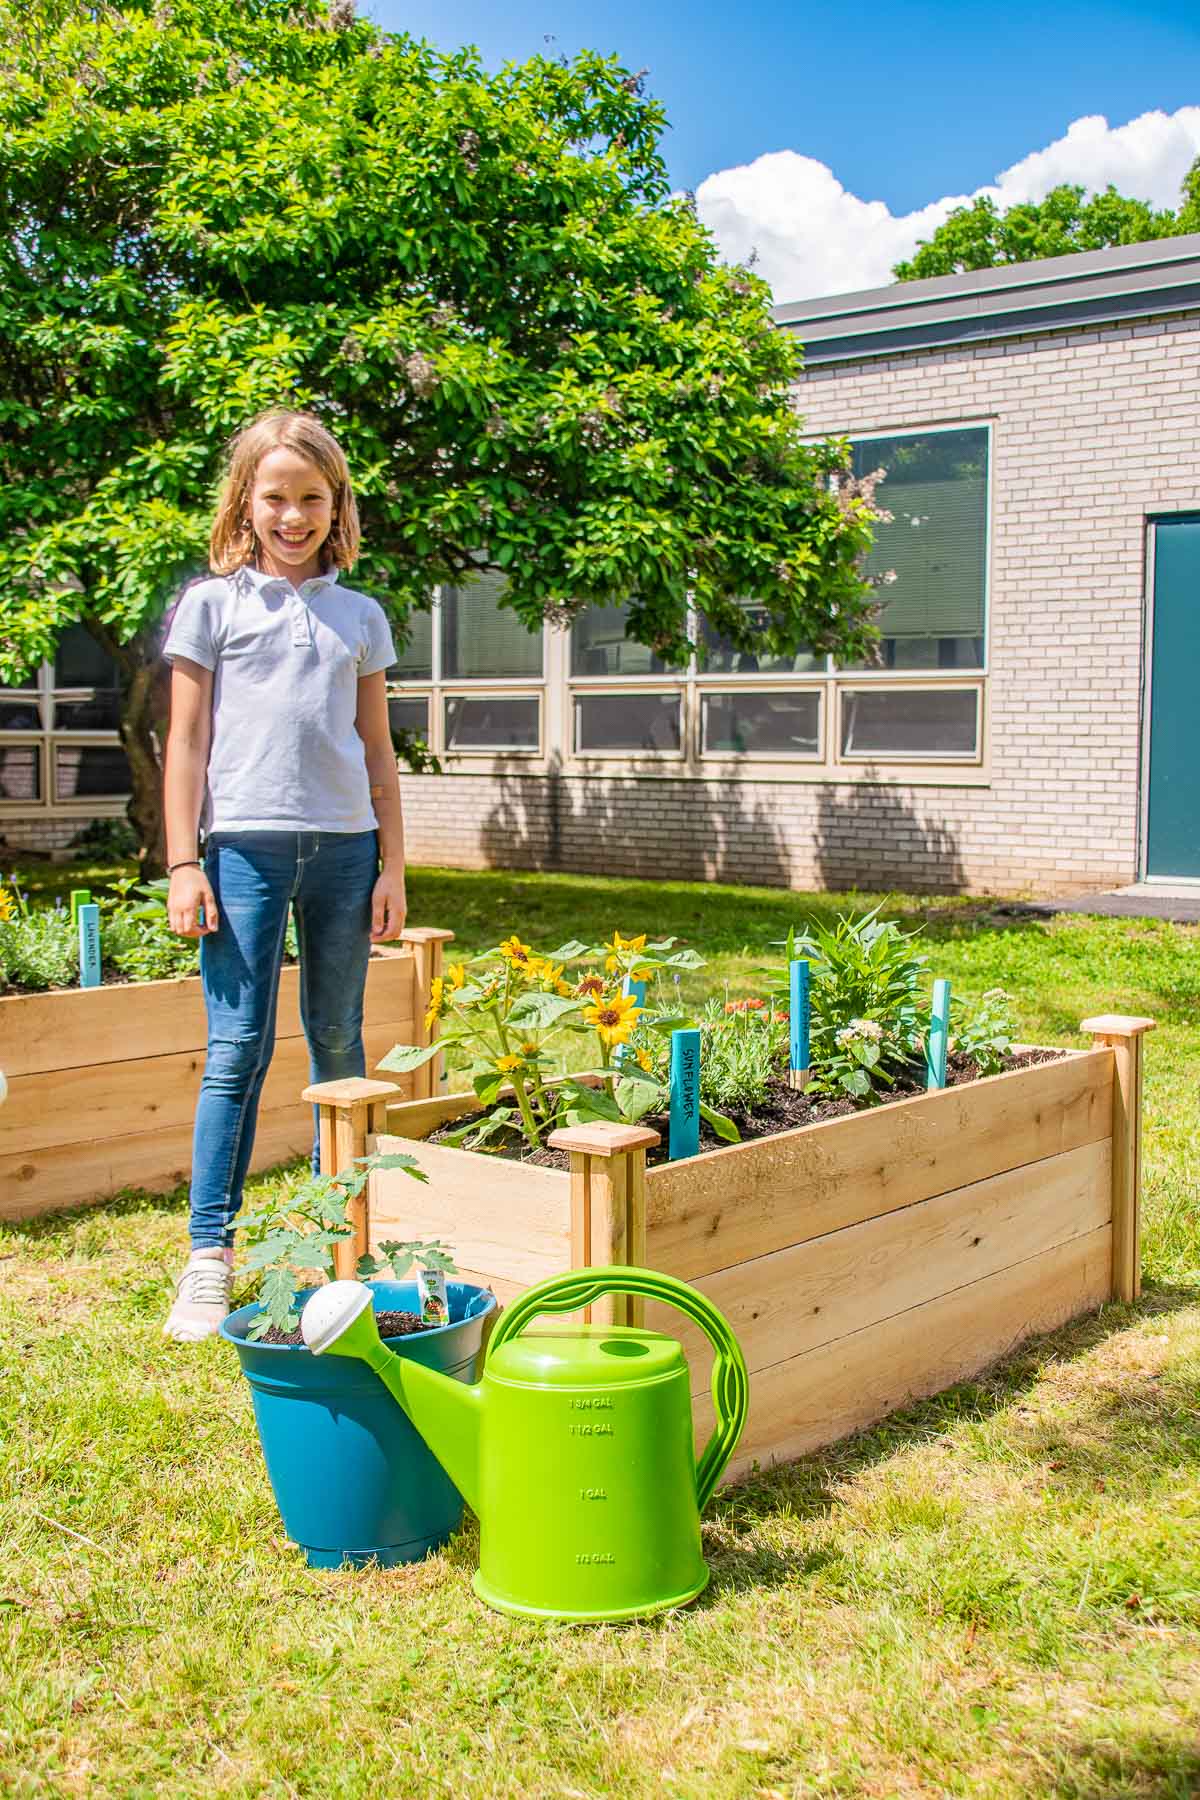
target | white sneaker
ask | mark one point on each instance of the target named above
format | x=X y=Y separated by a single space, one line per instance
x=201 y=1297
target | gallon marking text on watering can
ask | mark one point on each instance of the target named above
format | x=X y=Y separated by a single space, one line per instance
x=602 y=1521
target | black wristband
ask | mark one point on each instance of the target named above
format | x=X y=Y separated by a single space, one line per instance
x=189 y=862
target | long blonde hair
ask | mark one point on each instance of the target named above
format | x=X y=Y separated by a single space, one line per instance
x=232 y=543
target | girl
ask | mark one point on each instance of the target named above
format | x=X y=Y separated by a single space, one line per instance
x=279 y=752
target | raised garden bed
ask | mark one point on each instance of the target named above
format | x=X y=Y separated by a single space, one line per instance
x=863 y=1261
x=103 y=1081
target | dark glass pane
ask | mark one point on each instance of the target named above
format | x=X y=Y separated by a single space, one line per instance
x=935 y=487
x=627 y=722
x=20 y=772
x=80 y=662
x=720 y=658
x=480 y=640
x=909 y=722
x=99 y=714
x=85 y=771
x=410 y=715
x=414 y=660
x=761 y=724
x=599 y=646
x=492 y=722
x=23 y=715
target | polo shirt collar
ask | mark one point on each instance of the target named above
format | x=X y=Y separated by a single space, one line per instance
x=250 y=577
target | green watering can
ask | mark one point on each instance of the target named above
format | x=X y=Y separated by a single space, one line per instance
x=575 y=1449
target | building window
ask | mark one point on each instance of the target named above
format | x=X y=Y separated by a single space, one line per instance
x=20 y=772
x=492 y=722
x=936 y=544
x=718 y=656
x=635 y=722
x=482 y=640
x=899 y=723
x=54 y=707
x=411 y=715
x=757 y=723
x=414 y=660
x=599 y=647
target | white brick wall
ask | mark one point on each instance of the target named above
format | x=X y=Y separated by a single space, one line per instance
x=1091 y=431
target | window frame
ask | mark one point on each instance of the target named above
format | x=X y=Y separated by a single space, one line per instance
x=765 y=685
x=491 y=691
x=636 y=685
x=917 y=758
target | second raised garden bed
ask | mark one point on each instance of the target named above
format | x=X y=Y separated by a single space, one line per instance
x=862 y=1261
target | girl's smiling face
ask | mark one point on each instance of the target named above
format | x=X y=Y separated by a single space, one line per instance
x=291 y=510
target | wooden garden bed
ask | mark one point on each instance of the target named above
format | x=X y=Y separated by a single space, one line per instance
x=103 y=1081
x=863 y=1261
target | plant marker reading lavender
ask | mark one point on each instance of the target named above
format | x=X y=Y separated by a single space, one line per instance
x=939 y=1032
x=685 y=1094
x=89 y=946
x=636 y=991
x=79 y=897
x=799 y=976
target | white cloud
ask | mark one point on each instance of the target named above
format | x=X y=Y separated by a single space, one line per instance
x=815 y=238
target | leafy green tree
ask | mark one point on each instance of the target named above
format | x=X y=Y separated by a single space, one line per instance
x=980 y=236
x=481 y=282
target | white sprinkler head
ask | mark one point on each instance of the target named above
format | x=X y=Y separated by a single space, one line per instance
x=331 y=1311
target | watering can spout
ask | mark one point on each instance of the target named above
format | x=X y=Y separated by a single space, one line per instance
x=448 y=1414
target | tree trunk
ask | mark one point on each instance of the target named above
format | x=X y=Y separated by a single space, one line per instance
x=143 y=738
x=143 y=730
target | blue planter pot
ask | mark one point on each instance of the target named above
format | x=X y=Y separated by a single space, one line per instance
x=353 y=1481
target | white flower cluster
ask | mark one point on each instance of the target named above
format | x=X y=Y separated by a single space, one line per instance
x=859 y=1031
x=997 y=994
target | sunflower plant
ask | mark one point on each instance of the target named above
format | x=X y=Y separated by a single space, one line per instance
x=515 y=1012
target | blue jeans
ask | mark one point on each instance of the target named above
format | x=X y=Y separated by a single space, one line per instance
x=328 y=878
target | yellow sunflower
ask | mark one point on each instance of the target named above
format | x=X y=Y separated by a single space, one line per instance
x=437 y=989
x=514 y=951
x=456 y=976
x=8 y=910
x=506 y=1064
x=590 y=986
x=643 y=1060
x=621 y=945
x=614 y=1019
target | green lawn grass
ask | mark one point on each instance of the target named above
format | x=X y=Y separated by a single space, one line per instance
x=995 y=1593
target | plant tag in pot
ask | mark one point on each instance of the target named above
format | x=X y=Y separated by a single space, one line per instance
x=431 y=1286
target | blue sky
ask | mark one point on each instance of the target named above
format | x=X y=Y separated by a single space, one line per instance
x=903 y=104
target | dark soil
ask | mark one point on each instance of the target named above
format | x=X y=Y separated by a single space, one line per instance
x=782 y=1110
x=391 y=1325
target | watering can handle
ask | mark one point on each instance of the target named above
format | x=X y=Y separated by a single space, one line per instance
x=730 y=1382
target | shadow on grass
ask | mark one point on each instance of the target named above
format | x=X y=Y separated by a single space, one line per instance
x=1144 y=1426
x=1154 y=1765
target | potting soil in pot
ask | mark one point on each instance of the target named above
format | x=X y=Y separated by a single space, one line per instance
x=391 y=1325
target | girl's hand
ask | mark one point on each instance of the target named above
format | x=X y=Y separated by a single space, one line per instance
x=389 y=906
x=191 y=892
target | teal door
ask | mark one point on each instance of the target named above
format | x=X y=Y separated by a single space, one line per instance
x=1173 y=791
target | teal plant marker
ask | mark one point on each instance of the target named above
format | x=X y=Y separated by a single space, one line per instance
x=79 y=897
x=939 y=1033
x=799 y=976
x=635 y=990
x=685 y=1094
x=89 y=946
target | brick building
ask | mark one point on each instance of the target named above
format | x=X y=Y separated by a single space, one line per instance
x=1027 y=730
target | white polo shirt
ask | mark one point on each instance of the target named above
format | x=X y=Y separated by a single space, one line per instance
x=286 y=665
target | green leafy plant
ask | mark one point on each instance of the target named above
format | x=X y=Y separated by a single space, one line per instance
x=868 y=1018
x=514 y=1011
x=984 y=1031
x=39 y=946
x=293 y=1237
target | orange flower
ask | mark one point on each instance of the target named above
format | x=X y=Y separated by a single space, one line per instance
x=591 y=984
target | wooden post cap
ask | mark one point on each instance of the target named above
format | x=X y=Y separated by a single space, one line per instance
x=1116 y=1025
x=425 y=934
x=348 y=1092
x=603 y=1139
